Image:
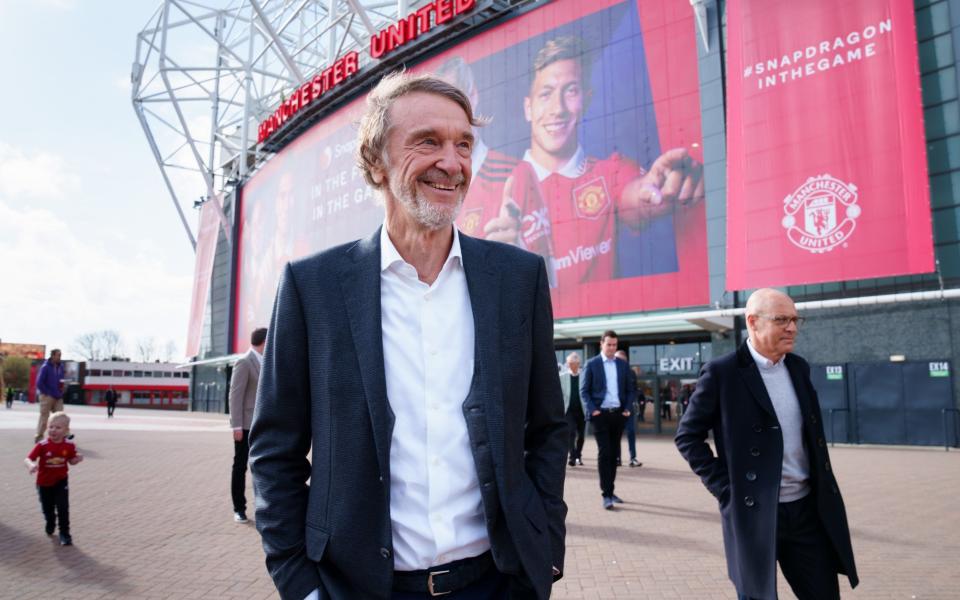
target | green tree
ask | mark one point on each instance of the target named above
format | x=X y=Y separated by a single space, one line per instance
x=16 y=372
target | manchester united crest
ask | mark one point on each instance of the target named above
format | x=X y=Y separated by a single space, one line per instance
x=591 y=199
x=821 y=214
x=470 y=222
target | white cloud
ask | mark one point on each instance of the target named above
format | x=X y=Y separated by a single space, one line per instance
x=59 y=283
x=42 y=175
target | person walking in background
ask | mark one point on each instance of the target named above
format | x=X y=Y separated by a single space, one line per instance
x=570 y=386
x=631 y=423
x=111 y=398
x=51 y=394
x=779 y=500
x=10 y=397
x=49 y=459
x=437 y=466
x=243 y=399
x=607 y=396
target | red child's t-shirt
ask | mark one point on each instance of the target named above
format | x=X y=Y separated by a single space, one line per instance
x=52 y=460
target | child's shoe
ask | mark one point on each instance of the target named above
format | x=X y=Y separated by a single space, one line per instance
x=65 y=539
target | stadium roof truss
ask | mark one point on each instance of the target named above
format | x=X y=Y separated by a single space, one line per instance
x=206 y=73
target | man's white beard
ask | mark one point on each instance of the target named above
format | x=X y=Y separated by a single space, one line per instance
x=424 y=212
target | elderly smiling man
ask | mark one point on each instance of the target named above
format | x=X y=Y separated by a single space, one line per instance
x=418 y=367
x=779 y=500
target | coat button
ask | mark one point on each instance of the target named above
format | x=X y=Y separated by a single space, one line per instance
x=835 y=489
x=749 y=501
x=821 y=442
x=826 y=466
x=385 y=552
x=758 y=428
x=754 y=451
x=751 y=476
x=813 y=419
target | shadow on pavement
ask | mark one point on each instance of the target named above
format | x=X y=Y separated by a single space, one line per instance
x=653 y=540
x=81 y=566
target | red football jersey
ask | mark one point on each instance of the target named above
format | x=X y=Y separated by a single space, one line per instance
x=485 y=195
x=52 y=460
x=581 y=216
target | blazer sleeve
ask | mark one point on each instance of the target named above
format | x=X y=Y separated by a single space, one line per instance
x=701 y=416
x=238 y=387
x=545 y=437
x=280 y=438
x=586 y=384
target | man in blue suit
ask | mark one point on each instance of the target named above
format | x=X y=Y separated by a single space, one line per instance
x=608 y=398
x=417 y=366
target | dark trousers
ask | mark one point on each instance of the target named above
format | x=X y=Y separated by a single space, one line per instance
x=607 y=427
x=630 y=427
x=238 y=478
x=804 y=551
x=577 y=425
x=55 y=504
x=111 y=406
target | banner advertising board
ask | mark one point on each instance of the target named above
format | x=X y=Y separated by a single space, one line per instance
x=203 y=270
x=615 y=108
x=827 y=170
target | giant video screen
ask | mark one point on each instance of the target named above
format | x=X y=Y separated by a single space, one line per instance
x=592 y=145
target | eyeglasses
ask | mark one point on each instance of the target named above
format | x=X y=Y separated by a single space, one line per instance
x=784 y=320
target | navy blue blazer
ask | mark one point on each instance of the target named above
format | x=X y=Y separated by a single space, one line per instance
x=732 y=401
x=323 y=390
x=593 y=385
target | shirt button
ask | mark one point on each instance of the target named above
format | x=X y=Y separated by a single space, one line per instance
x=751 y=476
x=754 y=451
x=385 y=552
x=436 y=461
x=758 y=428
x=749 y=501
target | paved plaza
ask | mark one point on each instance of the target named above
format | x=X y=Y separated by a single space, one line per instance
x=151 y=517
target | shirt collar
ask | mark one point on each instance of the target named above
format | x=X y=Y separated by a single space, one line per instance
x=762 y=361
x=575 y=167
x=612 y=359
x=257 y=355
x=389 y=255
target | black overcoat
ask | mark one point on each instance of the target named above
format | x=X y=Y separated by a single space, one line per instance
x=323 y=390
x=744 y=475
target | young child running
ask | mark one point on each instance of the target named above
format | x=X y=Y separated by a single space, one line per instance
x=49 y=460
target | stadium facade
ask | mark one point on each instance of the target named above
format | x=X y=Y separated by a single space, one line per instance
x=883 y=328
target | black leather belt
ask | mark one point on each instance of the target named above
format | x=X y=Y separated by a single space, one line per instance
x=611 y=410
x=443 y=579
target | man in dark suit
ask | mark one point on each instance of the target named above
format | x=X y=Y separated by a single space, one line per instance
x=573 y=405
x=243 y=398
x=779 y=500
x=417 y=366
x=608 y=397
x=111 y=399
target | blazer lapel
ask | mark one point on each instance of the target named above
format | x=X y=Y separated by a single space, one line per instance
x=483 y=283
x=751 y=375
x=360 y=286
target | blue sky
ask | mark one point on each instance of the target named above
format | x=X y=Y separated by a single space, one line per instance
x=89 y=238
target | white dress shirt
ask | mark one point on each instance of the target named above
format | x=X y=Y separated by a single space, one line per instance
x=428 y=351
x=612 y=398
x=795 y=475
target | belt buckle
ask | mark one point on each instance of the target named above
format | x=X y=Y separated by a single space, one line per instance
x=430 y=583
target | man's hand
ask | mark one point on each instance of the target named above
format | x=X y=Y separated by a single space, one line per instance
x=626 y=413
x=674 y=178
x=595 y=413
x=505 y=227
x=238 y=435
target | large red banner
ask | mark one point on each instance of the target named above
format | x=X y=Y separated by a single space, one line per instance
x=564 y=165
x=827 y=175
x=203 y=270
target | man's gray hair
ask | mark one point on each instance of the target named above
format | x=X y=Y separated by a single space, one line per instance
x=375 y=122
